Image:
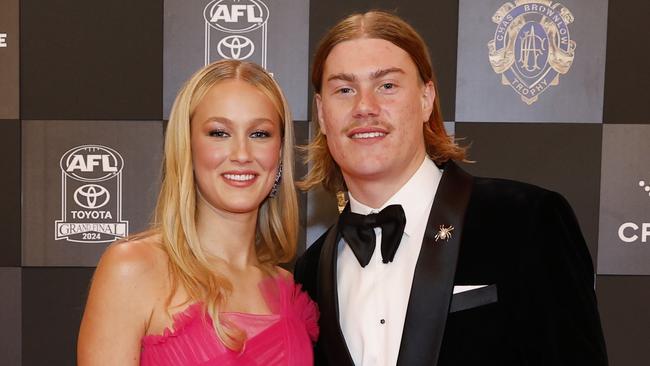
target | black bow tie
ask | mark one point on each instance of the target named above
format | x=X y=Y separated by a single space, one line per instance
x=359 y=232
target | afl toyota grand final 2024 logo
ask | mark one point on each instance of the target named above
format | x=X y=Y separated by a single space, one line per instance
x=236 y=30
x=91 y=196
x=531 y=46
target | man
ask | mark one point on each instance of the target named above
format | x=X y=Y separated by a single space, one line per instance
x=445 y=269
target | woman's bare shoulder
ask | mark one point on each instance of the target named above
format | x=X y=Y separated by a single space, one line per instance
x=141 y=254
x=138 y=264
x=128 y=283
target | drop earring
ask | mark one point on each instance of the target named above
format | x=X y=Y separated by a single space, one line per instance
x=276 y=183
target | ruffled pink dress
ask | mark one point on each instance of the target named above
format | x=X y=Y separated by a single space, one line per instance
x=282 y=338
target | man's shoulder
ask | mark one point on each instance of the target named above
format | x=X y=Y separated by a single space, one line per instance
x=510 y=192
x=312 y=253
x=306 y=269
x=308 y=261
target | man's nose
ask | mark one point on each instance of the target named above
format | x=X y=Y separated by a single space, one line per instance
x=367 y=105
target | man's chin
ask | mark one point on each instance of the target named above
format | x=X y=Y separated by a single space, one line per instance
x=365 y=170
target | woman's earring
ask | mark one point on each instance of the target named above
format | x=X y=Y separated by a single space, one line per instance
x=276 y=184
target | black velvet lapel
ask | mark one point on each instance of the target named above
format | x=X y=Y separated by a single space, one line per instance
x=433 y=280
x=331 y=336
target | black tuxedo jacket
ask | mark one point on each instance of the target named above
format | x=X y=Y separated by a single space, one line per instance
x=539 y=307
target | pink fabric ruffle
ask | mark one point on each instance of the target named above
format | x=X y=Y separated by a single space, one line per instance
x=282 y=338
x=188 y=318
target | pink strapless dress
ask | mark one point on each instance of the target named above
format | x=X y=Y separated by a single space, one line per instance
x=282 y=338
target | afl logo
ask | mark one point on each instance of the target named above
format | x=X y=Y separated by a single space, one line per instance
x=236 y=16
x=91 y=196
x=91 y=163
x=531 y=47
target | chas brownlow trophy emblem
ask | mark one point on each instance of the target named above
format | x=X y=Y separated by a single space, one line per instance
x=532 y=46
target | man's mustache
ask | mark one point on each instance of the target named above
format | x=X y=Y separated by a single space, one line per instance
x=387 y=127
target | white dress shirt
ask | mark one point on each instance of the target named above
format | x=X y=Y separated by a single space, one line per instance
x=373 y=299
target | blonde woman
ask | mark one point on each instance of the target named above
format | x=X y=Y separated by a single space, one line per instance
x=202 y=287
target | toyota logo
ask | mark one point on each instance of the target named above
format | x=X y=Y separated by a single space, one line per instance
x=91 y=196
x=238 y=47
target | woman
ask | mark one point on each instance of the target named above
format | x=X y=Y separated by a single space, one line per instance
x=202 y=287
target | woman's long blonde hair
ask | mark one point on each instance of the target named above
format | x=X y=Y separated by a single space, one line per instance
x=175 y=214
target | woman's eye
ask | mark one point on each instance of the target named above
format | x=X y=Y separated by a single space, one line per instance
x=219 y=133
x=260 y=134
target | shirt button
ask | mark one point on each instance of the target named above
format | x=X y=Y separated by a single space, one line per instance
x=382 y=321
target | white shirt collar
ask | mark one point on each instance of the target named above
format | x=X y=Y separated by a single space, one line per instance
x=415 y=196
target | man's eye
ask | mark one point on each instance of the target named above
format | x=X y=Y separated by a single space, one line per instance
x=260 y=134
x=388 y=86
x=219 y=133
x=345 y=90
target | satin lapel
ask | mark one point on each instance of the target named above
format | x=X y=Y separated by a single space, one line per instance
x=331 y=336
x=433 y=280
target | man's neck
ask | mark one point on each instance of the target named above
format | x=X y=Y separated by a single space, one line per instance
x=376 y=191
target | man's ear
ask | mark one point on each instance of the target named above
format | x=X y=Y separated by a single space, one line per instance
x=319 y=110
x=428 y=99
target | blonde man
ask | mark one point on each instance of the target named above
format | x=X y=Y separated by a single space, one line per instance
x=428 y=265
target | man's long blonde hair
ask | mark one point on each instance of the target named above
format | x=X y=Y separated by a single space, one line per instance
x=378 y=25
x=175 y=214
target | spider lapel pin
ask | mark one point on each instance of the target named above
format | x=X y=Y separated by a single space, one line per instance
x=444 y=233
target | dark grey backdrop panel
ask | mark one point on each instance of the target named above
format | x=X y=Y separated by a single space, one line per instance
x=91 y=59
x=436 y=21
x=321 y=209
x=578 y=97
x=624 y=233
x=627 y=77
x=278 y=40
x=321 y=213
x=559 y=157
x=53 y=303
x=9 y=59
x=10 y=197
x=10 y=317
x=300 y=169
x=75 y=234
x=623 y=302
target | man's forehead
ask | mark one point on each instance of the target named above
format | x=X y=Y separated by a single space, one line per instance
x=366 y=58
x=377 y=74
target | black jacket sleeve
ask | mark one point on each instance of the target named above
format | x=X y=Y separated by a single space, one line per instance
x=560 y=314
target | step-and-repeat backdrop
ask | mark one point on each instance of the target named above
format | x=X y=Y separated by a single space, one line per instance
x=550 y=93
